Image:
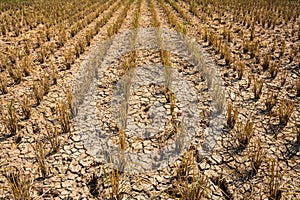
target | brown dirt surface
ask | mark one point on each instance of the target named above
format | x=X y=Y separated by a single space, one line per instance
x=47 y=48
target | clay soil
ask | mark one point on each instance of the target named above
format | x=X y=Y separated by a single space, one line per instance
x=256 y=42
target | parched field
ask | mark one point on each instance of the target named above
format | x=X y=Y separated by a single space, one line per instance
x=77 y=75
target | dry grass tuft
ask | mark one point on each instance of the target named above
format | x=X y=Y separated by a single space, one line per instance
x=19 y=183
x=69 y=59
x=42 y=54
x=181 y=28
x=293 y=53
x=54 y=75
x=79 y=47
x=246 y=46
x=55 y=140
x=282 y=49
x=273 y=70
x=283 y=79
x=115 y=180
x=38 y=92
x=193 y=8
x=26 y=107
x=245 y=133
x=88 y=37
x=227 y=56
x=3 y=84
x=186 y=164
x=240 y=70
x=270 y=101
x=165 y=57
x=131 y=60
x=190 y=184
x=257 y=156
x=257 y=88
x=276 y=181
x=64 y=116
x=69 y=97
x=231 y=118
x=45 y=83
x=10 y=119
x=285 y=111
x=122 y=140
x=62 y=37
x=194 y=189
x=25 y=65
x=15 y=74
x=135 y=22
x=266 y=62
x=155 y=21
x=40 y=157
